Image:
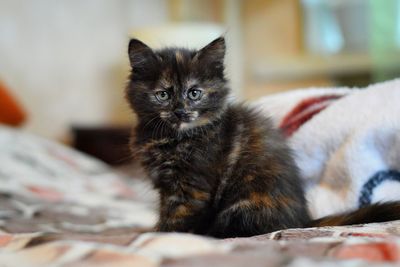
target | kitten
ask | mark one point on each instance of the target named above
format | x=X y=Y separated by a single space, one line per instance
x=220 y=168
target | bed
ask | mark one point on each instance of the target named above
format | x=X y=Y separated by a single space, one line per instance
x=59 y=207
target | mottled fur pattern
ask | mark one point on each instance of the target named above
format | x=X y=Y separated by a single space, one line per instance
x=221 y=169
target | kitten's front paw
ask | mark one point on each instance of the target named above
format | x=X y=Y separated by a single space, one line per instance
x=182 y=226
x=162 y=227
x=166 y=226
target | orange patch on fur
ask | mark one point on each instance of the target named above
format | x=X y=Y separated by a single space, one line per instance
x=256 y=140
x=155 y=143
x=199 y=195
x=181 y=211
x=284 y=201
x=262 y=200
x=249 y=178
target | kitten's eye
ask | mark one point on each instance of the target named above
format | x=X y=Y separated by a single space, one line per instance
x=163 y=95
x=195 y=94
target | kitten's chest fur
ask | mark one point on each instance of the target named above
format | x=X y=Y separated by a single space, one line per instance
x=194 y=159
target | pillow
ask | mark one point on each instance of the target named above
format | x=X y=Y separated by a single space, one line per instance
x=11 y=112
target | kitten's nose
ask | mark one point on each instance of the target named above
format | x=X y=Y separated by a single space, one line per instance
x=180 y=113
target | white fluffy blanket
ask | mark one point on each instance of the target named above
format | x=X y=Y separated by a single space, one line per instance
x=346 y=142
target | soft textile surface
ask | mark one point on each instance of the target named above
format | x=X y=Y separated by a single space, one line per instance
x=339 y=246
x=346 y=142
x=11 y=112
x=47 y=187
x=61 y=208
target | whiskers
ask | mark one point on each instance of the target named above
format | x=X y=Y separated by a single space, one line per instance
x=158 y=129
x=157 y=126
x=148 y=123
x=165 y=115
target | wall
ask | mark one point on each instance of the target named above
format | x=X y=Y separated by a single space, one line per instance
x=66 y=60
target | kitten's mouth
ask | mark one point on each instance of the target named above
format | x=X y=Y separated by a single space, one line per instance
x=181 y=120
x=186 y=123
x=186 y=120
x=199 y=122
x=179 y=116
x=185 y=117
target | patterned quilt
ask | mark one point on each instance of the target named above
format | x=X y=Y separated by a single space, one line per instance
x=61 y=208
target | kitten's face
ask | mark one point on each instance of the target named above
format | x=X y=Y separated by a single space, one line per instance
x=183 y=88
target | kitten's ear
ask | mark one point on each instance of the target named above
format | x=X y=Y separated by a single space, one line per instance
x=139 y=53
x=214 y=52
x=210 y=59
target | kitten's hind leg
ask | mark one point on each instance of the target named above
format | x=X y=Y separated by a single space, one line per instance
x=236 y=222
x=258 y=214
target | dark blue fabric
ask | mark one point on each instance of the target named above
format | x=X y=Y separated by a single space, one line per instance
x=368 y=188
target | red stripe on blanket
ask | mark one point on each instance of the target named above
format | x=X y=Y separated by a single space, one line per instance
x=5 y=239
x=46 y=193
x=375 y=252
x=304 y=111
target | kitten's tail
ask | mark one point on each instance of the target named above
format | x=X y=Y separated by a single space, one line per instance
x=379 y=212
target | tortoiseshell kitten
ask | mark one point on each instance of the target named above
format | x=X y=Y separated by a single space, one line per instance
x=220 y=168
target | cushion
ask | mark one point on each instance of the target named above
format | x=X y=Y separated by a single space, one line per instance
x=11 y=112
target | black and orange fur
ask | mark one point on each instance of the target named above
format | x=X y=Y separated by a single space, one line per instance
x=220 y=168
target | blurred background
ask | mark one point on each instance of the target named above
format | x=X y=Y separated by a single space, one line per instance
x=64 y=63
